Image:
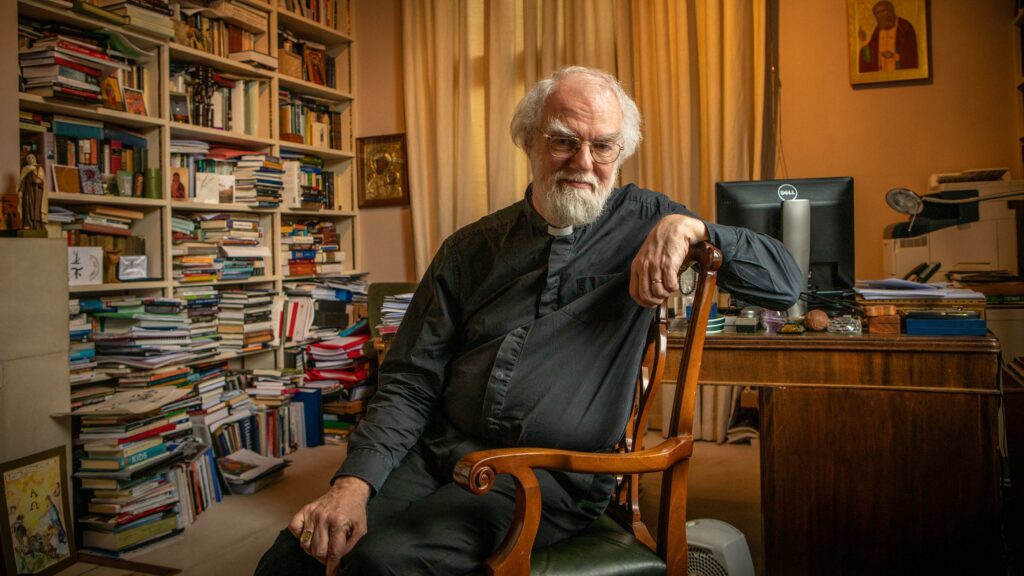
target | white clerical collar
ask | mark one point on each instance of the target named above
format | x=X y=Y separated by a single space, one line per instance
x=560 y=231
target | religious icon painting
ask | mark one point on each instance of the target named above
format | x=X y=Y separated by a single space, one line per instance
x=888 y=40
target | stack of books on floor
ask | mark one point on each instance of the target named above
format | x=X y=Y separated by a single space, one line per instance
x=124 y=451
x=246 y=472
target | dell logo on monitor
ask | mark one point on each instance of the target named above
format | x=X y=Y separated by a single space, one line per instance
x=787 y=192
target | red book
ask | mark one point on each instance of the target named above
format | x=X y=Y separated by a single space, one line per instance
x=76 y=66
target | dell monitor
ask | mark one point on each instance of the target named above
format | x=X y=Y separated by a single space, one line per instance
x=757 y=205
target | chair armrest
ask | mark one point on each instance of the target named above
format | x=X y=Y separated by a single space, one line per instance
x=477 y=470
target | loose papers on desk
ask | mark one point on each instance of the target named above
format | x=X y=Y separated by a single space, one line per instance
x=897 y=289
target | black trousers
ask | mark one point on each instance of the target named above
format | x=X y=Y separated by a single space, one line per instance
x=421 y=524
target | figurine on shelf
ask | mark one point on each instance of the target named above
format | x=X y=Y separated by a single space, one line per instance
x=30 y=189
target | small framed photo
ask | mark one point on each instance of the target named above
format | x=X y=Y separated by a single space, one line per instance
x=179 y=184
x=113 y=98
x=888 y=40
x=66 y=179
x=138 y=184
x=85 y=265
x=91 y=178
x=383 y=174
x=180 y=108
x=37 y=537
x=134 y=101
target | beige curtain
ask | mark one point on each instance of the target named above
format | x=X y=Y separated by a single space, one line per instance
x=694 y=67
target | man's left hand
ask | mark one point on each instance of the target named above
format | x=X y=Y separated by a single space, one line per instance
x=654 y=275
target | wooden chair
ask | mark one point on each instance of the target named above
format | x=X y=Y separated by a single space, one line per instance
x=624 y=546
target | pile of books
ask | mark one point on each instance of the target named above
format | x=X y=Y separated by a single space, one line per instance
x=259 y=180
x=246 y=321
x=201 y=305
x=227 y=29
x=311 y=248
x=392 y=311
x=341 y=360
x=140 y=336
x=147 y=16
x=124 y=452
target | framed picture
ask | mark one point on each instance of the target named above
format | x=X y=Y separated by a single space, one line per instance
x=37 y=537
x=888 y=40
x=113 y=98
x=383 y=173
x=179 y=184
x=91 y=178
x=134 y=101
x=180 y=108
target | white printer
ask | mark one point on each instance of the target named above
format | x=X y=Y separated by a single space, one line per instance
x=975 y=236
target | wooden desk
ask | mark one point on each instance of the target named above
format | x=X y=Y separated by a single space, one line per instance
x=878 y=453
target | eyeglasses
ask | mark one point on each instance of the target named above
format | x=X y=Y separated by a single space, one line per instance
x=602 y=151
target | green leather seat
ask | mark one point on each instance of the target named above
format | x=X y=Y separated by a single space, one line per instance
x=602 y=549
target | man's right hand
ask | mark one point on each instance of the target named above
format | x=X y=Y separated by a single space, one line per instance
x=337 y=521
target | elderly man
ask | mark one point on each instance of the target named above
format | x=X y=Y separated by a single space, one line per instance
x=526 y=330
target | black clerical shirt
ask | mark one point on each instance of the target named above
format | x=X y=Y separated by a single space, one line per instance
x=517 y=337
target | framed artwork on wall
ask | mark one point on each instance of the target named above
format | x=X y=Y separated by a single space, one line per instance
x=888 y=40
x=383 y=171
x=36 y=535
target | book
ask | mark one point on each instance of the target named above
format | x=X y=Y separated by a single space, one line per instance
x=119 y=463
x=255 y=57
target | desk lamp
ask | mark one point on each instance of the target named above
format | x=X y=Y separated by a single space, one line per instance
x=906 y=201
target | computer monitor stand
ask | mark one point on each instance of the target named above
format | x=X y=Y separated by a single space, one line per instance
x=796 y=235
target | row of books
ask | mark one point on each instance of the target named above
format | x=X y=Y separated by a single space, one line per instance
x=85 y=156
x=305 y=120
x=201 y=96
x=307 y=185
x=224 y=28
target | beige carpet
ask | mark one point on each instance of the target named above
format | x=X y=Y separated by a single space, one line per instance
x=229 y=538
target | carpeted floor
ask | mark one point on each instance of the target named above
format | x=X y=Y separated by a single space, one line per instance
x=229 y=538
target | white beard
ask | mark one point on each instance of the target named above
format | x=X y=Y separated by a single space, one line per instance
x=573 y=206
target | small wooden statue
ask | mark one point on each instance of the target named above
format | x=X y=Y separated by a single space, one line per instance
x=30 y=188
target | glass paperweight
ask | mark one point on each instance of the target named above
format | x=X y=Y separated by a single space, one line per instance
x=772 y=320
x=844 y=325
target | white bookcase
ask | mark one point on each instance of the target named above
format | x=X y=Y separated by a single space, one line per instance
x=159 y=129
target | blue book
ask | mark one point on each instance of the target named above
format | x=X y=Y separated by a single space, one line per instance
x=946 y=327
x=214 y=474
x=312 y=409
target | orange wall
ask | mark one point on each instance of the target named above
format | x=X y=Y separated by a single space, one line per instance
x=900 y=134
x=385 y=234
x=884 y=137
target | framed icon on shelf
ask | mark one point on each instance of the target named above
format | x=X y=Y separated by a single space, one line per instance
x=383 y=171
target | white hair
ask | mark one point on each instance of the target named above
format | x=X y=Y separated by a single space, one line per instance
x=526 y=121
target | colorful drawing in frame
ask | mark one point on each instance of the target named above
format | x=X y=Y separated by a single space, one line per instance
x=37 y=537
x=134 y=101
x=888 y=40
